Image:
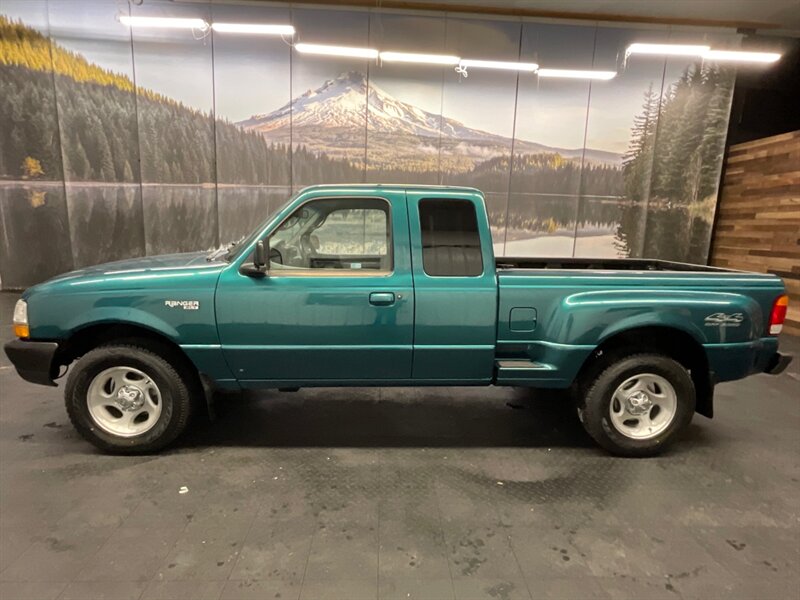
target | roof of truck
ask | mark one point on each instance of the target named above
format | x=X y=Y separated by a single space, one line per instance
x=394 y=187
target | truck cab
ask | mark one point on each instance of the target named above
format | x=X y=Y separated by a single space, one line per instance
x=366 y=286
x=390 y=285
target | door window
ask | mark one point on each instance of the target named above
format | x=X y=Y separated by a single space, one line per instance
x=451 y=246
x=352 y=234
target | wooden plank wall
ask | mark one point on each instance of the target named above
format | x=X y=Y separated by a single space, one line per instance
x=758 y=219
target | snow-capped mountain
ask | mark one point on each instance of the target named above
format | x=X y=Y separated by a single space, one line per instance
x=332 y=117
x=340 y=103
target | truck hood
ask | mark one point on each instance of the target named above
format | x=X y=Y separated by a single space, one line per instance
x=131 y=269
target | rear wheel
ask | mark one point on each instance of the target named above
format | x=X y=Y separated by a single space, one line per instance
x=637 y=405
x=127 y=399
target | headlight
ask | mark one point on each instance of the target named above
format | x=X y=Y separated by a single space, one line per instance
x=20 y=319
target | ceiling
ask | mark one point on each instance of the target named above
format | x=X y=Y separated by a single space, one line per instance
x=781 y=16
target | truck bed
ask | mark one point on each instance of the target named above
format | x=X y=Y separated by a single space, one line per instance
x=606 y=264
x=552 y=311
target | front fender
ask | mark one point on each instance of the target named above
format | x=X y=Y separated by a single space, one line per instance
x=125 y=316
x=56 y=319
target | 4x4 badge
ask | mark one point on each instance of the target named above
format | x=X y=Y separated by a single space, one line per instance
x=724 y=320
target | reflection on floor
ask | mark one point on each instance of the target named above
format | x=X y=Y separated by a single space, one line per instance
x=401 y=493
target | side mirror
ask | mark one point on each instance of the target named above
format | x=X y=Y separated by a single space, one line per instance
x=260 y=256
x=258 y=268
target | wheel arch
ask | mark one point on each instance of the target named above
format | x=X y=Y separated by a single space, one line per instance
x=98 y=334
x=93 y=335
x=673 y=342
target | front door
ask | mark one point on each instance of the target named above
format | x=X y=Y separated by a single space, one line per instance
x=337 y=304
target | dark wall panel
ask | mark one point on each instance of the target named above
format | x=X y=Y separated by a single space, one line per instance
x=176 y=130
x=405 y=101
x=98 y=131
x=179 y=218
x=174 y=97
x=253 y=129
x=34 y=222
x=329 y=108
x=253 y=133
x=549 y=142
x=478 y=112
x=242 y=208
x=35 y=234
x=30 y=148
x=687 y=158
x=106 y=223
x=611 y=214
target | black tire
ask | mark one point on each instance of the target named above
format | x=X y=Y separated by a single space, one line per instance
x=594 y=405
x=174 y=384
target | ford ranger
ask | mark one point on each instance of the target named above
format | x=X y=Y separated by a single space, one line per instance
x=390 y=285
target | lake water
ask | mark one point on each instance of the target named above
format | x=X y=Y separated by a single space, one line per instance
x=47 y=229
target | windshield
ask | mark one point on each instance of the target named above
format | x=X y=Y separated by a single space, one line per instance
x=234 y=249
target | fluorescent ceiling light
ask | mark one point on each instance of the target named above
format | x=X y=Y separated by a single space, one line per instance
x=668 y=49
x=575 y=74
x=741 y=56
x=258 y=28
x=336 y=50
x=430 y=59
x=498 y=64
x=163 y=22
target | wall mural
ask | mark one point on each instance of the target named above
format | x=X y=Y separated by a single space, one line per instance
x=118 y=142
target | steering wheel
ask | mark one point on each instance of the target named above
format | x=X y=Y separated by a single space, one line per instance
x=275 y=256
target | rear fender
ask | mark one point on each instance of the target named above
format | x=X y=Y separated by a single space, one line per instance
x=644 y=319
x=596 y=316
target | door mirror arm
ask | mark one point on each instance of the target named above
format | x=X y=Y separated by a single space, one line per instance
x=259 y=266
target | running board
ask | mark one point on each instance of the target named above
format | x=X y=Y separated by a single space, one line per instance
x=520 y=363
x=510 y=370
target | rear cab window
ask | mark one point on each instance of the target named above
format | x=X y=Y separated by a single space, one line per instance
x=451 y=245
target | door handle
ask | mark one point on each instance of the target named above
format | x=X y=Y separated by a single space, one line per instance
x=381 y=298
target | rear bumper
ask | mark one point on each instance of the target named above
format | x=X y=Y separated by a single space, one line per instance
x=33 y=360
x=736 y=360
x=778 y=363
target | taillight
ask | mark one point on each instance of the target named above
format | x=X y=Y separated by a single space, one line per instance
x=778 y=315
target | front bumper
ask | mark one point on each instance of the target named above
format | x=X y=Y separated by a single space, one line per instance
x=33 y=360
x=778 y=363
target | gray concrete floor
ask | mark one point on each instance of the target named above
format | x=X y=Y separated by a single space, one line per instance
x=402 y=493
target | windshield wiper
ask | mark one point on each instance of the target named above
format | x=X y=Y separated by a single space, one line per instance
x=225 y=253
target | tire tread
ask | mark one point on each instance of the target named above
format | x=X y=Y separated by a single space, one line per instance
x=180 y=392
x=592 y=405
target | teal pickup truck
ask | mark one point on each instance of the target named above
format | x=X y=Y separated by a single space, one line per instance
x=389 y=285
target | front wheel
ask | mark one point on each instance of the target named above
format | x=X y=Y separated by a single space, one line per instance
x=127 y=399
x=637 y=405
